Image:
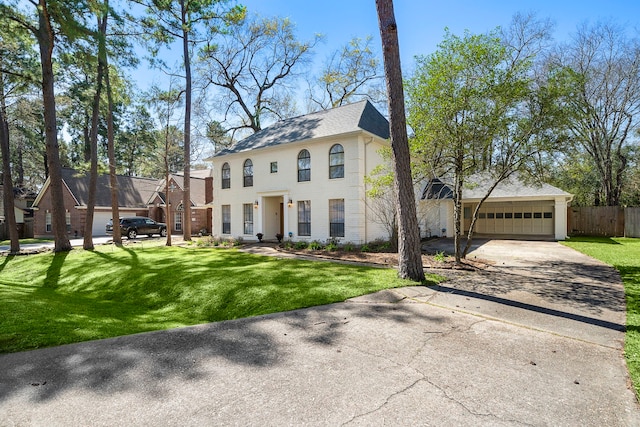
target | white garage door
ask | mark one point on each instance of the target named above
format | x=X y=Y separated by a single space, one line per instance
x=100 y=220
x=532 y=218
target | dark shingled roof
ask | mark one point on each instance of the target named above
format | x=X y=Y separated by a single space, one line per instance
x=345 y=119
x=134 y=192
x=436 y=189
x=477 y=185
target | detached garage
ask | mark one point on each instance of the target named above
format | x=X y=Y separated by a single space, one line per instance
x=514 y=208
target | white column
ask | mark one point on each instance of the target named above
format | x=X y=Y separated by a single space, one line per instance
x=257 y=220
x=560 y=221
x=285 y=216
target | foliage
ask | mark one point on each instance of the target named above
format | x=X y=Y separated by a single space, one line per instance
x=624 y=255
x=477 y=104
x=117 y=291
x=301 y=244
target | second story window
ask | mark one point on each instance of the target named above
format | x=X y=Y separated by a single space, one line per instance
x=226 y=176
x=247 y=173
x=304 y=166
x=336 y=162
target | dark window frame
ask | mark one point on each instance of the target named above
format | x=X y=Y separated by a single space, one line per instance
x=247 y=218
x=304 y=166
x=304 y=218
x=247 y=173
x=336 y=217
x=226 y=219
x=336 y=161
x=226 y=176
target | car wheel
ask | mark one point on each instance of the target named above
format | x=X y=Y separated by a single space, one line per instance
x=132 y=234
x=149 y=235
x=163 y=232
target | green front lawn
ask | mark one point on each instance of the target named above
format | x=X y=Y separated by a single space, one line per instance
x=52 y=299
x=624 y=255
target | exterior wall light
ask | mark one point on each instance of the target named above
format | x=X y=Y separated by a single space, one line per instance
x=290 y=202
x=255 y=204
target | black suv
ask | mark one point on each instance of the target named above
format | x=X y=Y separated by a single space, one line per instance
x=132 y=226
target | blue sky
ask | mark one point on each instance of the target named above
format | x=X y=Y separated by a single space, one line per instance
x=421 y=23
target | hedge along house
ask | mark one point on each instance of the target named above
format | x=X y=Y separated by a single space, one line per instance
x=302 y=178
x=513 y=210
x=136 y=197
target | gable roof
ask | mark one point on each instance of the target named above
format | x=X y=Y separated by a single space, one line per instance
x=359 y=116
x=478 y=184
x=197 y=188
x=133 y=192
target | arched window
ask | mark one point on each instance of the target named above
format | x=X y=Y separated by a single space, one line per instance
x=336 y=162
x=304 y=166
x=247 y=173
x=226 y=176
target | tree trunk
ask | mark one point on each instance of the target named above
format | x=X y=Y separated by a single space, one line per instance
x=457 y=210
x=7 y=182
x=186 y=198
x=111 y=151
x=45 y=38
x=409 y=250
x=93 y=137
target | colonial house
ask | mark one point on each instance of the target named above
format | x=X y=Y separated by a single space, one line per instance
x=136 y=197
x=514 y=209
x=303 y=178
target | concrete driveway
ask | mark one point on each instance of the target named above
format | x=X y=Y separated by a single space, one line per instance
x=535 y=340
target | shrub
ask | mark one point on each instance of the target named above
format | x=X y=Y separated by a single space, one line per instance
x=365 y=248
x=315 y=245
x=301 y=245
x=331 y=246
x=348 y=247
x=440 y=256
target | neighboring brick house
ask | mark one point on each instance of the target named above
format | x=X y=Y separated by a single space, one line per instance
x=136 y=197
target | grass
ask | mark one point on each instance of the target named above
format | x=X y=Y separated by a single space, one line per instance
x=51 y=299
x=624 y=255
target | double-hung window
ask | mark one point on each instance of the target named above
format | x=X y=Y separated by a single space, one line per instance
x=304 y=218
x=226 y=176
x=247 y=173
x=336 y=218
x=226 y=219
x=247 y=212
x=304 y=166
x=336 y=162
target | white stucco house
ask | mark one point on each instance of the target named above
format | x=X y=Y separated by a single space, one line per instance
x=302 y=177
x=514 y=208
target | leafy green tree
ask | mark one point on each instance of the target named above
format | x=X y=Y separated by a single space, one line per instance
x=350 y=74
x=409 y=250
x=48 y=19
x=476 y=104
x=253 y=64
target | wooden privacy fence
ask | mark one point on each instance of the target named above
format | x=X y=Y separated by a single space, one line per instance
x=608 y=221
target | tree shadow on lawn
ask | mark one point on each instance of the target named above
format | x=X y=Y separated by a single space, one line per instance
x=140 y=363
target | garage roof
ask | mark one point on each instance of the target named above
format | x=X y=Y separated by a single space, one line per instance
x=477 y=186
